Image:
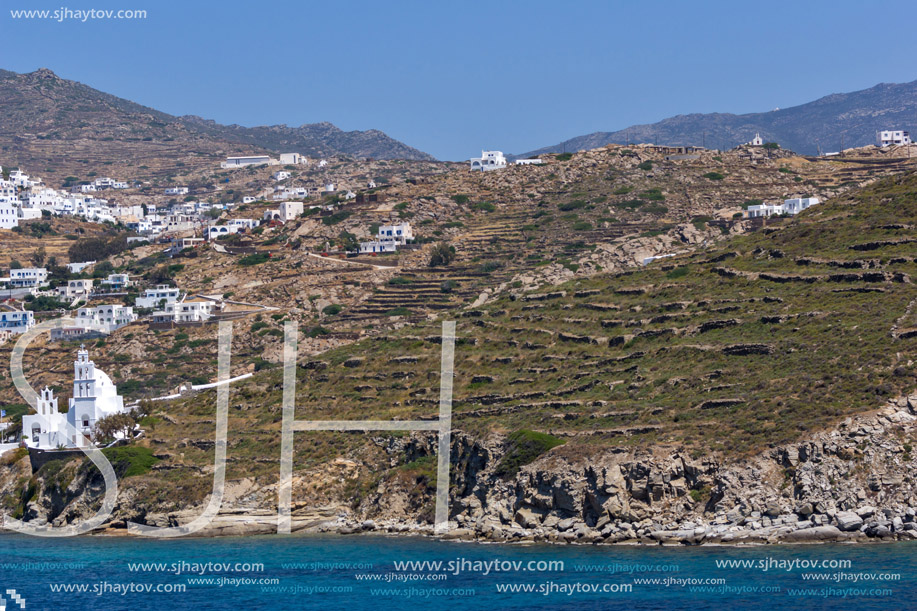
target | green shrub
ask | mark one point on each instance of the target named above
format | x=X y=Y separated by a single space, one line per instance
x=317 y=331
x=129 y=461
x=399 y=311
x=332 y=310
x=484 y=207
x=336 y=218
x=443 y=254
x=565 y=157
x=678 y=272
x=523 y=447
x=582 y=226
x=254 y=259
x=460 y=199
x=714 y=176
x=646 y=166
x=574 y=205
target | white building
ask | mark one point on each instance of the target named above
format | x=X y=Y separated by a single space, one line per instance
x=329 y=188
x=231 y=227
x=789 y=206
x=116 y=282
x=180 y=244
x=529 y=162
x=187 y=311
x=489 y=160
x=158 y=297
x=177 y=191
x=893 y=138
x=285 y=213
x=17 y=322
x=28 y=277
x=104 y=318
x=292 y=159
x=248 y=199
x=280 y=175
x=388 y=239
x=241 y=162
x=80 y=288
x=75 y=268
x=9 y=215
x=94 y=397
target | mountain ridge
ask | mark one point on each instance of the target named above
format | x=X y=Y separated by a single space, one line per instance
x=48 y=107
x=805 y=128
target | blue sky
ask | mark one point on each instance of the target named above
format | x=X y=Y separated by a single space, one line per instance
x=451 y=78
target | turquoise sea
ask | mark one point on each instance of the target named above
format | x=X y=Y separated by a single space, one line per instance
x=374 y=572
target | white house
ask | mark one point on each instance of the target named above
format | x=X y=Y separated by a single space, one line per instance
x=248 y=199
x=529 y=162
x=117 y=282
x=180 y=244
x=75 y=268
x=893 y=137
x=388 y=239
x=17 y=322
x=292 y=159
x=241 y=162
x=28 y=277
x=94 y=397
x=231 y=227
x=177 y=191
x=158 y=297
x=489 y=160
x=329 y=188
x=9 y=215
x=81 y=287
x=286 y=212
x=105 y=318
x=280 y=175
x=789 y=206
x=187 y=311
x=797 y=205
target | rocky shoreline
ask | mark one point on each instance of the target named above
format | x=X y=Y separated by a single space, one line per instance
x=852 y=484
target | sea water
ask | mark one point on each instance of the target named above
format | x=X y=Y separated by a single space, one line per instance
x=359 y=573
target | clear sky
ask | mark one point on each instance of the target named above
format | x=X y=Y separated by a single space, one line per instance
x=451 y=78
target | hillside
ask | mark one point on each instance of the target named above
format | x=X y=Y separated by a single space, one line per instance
x=702 y=388
x=848 y=119
x=59 y=126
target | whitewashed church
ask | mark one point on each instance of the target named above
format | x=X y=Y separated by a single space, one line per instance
x=94 y=397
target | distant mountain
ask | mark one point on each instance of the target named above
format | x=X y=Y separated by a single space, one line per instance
x=43 y=116
x=852 y=118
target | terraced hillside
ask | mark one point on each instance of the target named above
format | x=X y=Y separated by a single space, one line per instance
x=764 y=340
x=692 y=361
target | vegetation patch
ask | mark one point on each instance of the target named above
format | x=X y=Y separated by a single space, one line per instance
x=523 y=447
